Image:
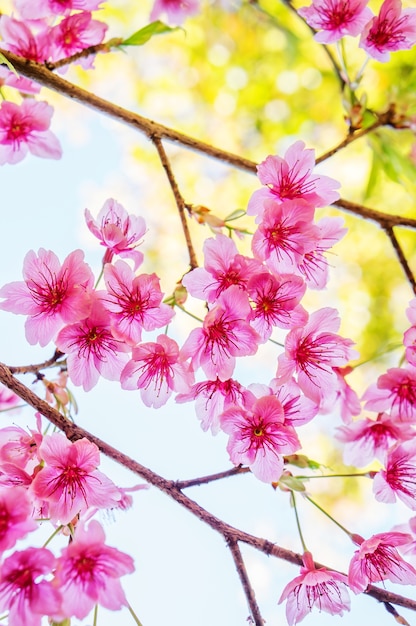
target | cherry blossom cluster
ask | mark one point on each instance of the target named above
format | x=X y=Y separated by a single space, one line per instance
x=41 y=31
x=394 y=28
x=48 y=478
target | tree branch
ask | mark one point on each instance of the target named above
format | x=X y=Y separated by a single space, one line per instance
x=204 y=480
x=400 y=255
x=27 y=369
x=74 y=432
x=245 y=582
x=180 y=202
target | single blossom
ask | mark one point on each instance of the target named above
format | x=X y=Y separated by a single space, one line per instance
x=213 y=397
x=368 y=439
x=409 y=341
x=88 y=573
x=24 y=128
x=394 y=392
x=157 y=369
x=92 y=349
x=134 y=302
x=73 y=34
x=69 y=481
x=336 y=18
x=399 y=477
x=19 y=38
x=259 y=436
x=51 y=294
x=378 y=559
x=8 y=399
x=346 y=399
x=24 y=590
x=297 y=408
x=314 y=265
x=315 y=587
x=175 y=10
x=392 y=29
x=312 y=352
x=223 y=267
x=15 y=516
x=20 y=447
x=225 y=334
x=275 y=301
x=292 y=178
x=286 y=233
x=119 y=232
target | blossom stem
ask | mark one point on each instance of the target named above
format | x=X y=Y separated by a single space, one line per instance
x=97 y=282
x=182 y=308
x=295 y=508
x=282 y=345
x=95 y=619
x=12 y=408
x=329 y=516
x=55 y=532
x=134 y=616
x=365 y=474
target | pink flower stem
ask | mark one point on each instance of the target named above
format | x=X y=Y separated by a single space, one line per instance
x=329 y=516
x=55 y=532
x=365 y=474
x=182 y=308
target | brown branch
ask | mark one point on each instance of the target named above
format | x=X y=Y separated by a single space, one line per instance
x=46 y=78
x=384 y=219
x=27 y=369
x=383 y=119
x=74 y=432
x=204 y=480
x=400 y=255
x=245 y=583
x=180 y=202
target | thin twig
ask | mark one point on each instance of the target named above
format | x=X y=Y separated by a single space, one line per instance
x=85 y=53
x=180 y=202
x=400 y=255
x=74 y=432
x=27 y=369
x=204 y=480
x=384 y=219
x=383 y=119
x=245 y=582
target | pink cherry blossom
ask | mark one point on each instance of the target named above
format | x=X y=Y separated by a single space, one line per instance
x=225 y=334
x=399 y=477
x=410 y=529
x=292 y=178
x=275 y=301
x=8 y=399
x=395 y=392
x=393 y=29
x=15 y=515
x=346 y=399
x=315 y=587
x=69 y=481
x=259 y=436
x=213 y=397
x=73 y=34
x=314 y=265
x=51 y=295
x=175 y=10
x=117 y=231
x=21 y=40
x=312 y=352
x=24 y=128
x=368 y=439
x=297 y=408
x=409 y=341
x=157 y=370
x=20 y=447
x=35 y=9
x=24 y=591
x=135 y=302
x=92 y=349
x=378 y=559
x=285 y=234
x=336 y=18
x=223 y=267
x=88 y=573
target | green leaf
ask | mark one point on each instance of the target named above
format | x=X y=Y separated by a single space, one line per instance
x=143 y=35
x=291 y=482
x=234 y=215
x=4 y=61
